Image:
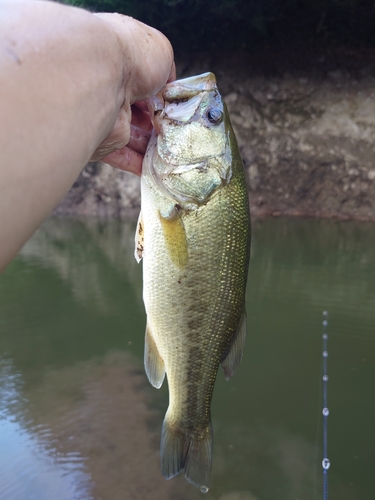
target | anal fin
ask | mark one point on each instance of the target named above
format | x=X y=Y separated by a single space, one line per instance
x=154 y=364
x=234 y=356
x=139 y=239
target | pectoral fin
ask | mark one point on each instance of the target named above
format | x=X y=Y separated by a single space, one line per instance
x=174 y=236
x=234 y=356
x=139 y=239
x=154 y=365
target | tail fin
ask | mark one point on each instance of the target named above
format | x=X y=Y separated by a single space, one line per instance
x=186 y=452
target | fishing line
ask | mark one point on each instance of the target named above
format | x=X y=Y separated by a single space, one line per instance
x=325 y=411
x=322 y=423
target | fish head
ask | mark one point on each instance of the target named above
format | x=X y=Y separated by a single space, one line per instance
x=191 y=144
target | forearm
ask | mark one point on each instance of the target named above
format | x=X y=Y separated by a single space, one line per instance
x=50 y=122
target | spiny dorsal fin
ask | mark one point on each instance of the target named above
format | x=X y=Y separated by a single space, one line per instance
x=154 y=365
x=139 y=239
x=235 y=353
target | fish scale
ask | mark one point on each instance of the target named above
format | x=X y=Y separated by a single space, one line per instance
x=195 y=260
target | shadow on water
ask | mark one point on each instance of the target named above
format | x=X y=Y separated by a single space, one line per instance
x=78 y=418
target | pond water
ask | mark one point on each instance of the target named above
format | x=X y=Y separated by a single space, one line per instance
x=79 y=420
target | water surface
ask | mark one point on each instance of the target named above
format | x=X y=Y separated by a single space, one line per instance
x=79 y=420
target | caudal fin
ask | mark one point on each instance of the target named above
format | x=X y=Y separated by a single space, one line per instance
x=183 y=451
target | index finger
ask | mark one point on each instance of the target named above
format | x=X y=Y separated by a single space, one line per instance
x=172 y=74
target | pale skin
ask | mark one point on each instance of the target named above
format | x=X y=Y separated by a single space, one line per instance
x=69 y=81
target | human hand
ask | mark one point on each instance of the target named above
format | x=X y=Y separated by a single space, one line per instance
x=148 y=66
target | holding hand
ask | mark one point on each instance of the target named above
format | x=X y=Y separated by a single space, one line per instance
x=151 y=60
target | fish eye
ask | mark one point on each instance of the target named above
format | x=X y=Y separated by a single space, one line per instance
x=215 y=116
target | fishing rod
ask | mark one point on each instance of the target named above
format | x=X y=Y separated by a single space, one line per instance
x=325 y=411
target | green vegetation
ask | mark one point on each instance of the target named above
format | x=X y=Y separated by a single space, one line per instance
x=228 y=24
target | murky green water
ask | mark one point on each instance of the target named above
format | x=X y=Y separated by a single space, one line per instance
x=78 y=419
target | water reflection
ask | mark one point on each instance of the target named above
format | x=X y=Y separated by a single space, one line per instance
x=84 y=431
x=86 y=253
x=27 y=470
x=78 y=418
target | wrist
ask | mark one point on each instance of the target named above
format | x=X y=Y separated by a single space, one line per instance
x=147 y=56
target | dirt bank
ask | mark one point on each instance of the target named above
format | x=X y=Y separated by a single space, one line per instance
x=305 y=123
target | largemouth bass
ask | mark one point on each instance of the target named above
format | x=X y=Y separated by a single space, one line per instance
x=194 y=237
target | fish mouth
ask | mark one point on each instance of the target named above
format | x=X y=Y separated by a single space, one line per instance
x=188 y=88
x=180 y=99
